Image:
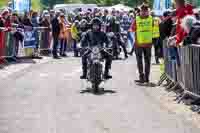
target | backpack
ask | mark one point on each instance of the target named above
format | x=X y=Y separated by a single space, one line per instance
x=195 y=33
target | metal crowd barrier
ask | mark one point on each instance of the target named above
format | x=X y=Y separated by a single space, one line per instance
x=45 y=40
x=187 y=72
x=169 y=63
x=6 y=46
x=8 y=42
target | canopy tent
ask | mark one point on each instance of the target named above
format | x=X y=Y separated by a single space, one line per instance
x=72 y=7
x=160 y=6
x=120 y=7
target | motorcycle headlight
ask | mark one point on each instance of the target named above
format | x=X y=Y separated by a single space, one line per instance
x=95 y=50
x=96 y=56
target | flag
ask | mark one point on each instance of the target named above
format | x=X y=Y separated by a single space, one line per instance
x=22 y=5
x=160 y=6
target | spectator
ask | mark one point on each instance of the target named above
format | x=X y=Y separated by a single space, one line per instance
x=104 y=17
x=166 y=25
x=182 y=10
x=18 y=36
x=35 y=23
x=63 y=35
x=1 y=21
x=45 y=36
x=55 y=32
x=156 y=37
x=131 y=33
x=87 y=16
x=6 y=18
x=27 y=20
x=52 y=14
x=75 y=36
x=192 y=28
x=125 y=22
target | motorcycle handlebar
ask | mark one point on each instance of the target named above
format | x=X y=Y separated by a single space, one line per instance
x=89 y=50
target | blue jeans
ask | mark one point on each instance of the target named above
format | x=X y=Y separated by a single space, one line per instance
x=63 y=46
x=173 y=51
x=75 y=48
x=130 y=38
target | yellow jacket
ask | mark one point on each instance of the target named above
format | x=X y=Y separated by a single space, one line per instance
x=74 y=32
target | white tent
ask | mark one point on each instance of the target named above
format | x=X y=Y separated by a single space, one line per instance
x=120 y=7
x=71 y=7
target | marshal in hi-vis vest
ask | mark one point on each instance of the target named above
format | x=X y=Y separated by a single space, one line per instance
x=156 y=31
x=144 y=30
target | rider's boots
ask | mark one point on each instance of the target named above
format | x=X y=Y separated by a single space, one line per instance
x=84 y=76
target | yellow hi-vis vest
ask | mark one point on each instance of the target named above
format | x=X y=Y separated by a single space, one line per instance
x=144 y=30
x=156 y=31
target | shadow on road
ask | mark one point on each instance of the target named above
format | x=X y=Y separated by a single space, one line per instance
x=100 y=92
x=12 y=61
x=147 y=84
x=24 y=61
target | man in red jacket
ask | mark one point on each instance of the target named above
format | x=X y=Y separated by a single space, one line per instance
x=182 y=10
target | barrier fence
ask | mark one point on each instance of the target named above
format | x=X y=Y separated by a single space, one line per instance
x=32 y=37
x=182 y=66
x=9 y=43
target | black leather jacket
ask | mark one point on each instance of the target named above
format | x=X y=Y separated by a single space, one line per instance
x=94 y=38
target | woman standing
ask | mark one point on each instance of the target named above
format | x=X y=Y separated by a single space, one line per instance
x=75 y=36
x=63 y=35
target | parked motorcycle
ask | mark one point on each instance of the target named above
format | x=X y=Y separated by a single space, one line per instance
x=116 y=49
x=125 y=37
x=95 y=64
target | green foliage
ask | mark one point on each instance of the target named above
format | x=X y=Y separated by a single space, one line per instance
x=3 y=3
x=131 y=3
x=41 y=4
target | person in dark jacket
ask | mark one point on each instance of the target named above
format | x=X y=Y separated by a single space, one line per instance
x=45 y=36
x=166 y=25
x=92 y=38
x=27 y=20
x=1 y=22
x=105 y=15
x=114 y=26
x=55 y=32
x=18 y=36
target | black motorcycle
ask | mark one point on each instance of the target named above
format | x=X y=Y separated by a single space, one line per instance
x=95 y=64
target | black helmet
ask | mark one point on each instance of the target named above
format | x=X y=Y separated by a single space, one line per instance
x=83 y=23
x=96 y=21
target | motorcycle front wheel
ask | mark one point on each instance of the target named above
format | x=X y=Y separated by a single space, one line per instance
x=95 y=87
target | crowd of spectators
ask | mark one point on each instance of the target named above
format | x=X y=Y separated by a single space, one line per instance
x=64 y=27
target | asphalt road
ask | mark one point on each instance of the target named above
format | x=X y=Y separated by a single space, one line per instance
x=46 y=98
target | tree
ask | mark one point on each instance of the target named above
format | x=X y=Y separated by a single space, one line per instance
x=131 y=3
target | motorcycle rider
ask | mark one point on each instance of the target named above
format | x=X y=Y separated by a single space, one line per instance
x=114 y=26
x=92 y=38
